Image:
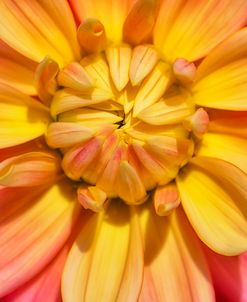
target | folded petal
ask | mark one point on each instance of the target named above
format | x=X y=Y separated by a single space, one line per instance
x=29 y=169
x=221 y=78
x=106 y=260
x=191 y=29
x=37 y=29
x=175 y=267
x=21 y=117
x=214 y=197
x=34 y=228
x=111 y=13
x=229 y=276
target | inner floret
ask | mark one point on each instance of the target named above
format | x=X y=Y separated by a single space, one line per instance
x=124 y=122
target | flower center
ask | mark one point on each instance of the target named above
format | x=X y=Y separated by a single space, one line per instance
x=124 y=122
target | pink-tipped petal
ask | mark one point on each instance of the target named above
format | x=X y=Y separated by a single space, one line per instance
x=34 y=228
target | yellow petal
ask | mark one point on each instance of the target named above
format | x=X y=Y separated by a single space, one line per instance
x=169 y=110
x=129 y=185
x=192 y=29
x=29 y=169
x=175 y=266
x=68 y=99
x=74 y=76
x=139 y=23
x=63 y=135
x=214 y=197
x=226 y=147
x=17 y=76
x=21 y=117
x=90 y=115
x=111 y=13
x=221 y=79
x=91 y=36
x=143 y=60
x=153 y=87
x=33 y=31
x=119 y=62
x=98 y=70
x=33 y=230
x=108 y=241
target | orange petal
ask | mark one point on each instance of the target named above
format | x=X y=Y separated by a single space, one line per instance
x=91 y=197
x=91 y=36
x=109 y=240
x=175 y=266
x=166 y=199
x=139 y=23
x=217 y=208
x=17 y=76
x=45 y=79
x=192 y=29
x=184 y=71
x=111 y=13
x=77 y=159
x=39 y=288
x=38 y=28
x=107 y=180
x=29 y=169
x=34 y=229
x=74 y=76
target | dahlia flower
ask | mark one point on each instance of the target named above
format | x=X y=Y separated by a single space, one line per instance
x=123 y=167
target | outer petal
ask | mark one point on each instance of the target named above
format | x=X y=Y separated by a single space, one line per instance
x=106 y=259
x=111 y=13
x=222 y=77
x=33 y=230
x=227 y=147
x=214 y=196
x=21 y=117
x=175 y=267
x=190 y=29
x=35 y=29
x=39 y=289
x=229 y=276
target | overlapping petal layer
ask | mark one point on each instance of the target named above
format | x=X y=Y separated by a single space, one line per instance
x=21 y=117
x=34 y=227
x=106 y=260
x=221 y=78
x=111 y=13
x=48 y=31
x=213 y=194
x=175 y=266
x=190 y=29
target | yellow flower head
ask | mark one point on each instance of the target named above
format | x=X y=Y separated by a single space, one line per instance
x=112 y=114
